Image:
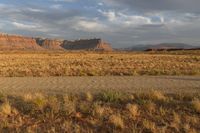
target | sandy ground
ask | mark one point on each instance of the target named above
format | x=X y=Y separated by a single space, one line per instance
x=168 y=84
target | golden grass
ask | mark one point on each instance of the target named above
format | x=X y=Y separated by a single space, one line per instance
x=157 y=95
x=73 y=113
x=133 y=109
x=96 y=64
x=5 y=108
x=99 y=110
x=117 y=121
x=88 y=96
x=151 y=107
x=149 y=125
x=196 y=105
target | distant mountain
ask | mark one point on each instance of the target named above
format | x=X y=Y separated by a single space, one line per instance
x=162 y=46
x=16 y=42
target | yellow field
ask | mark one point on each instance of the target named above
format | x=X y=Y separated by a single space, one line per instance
x=107 y=111
x=98 y=64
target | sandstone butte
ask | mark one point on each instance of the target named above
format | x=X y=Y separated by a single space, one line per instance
x=16 y=42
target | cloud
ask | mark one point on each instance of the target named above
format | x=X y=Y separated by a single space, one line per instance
x=82 y=24
x=56 y=6
x=100 y=4
x=158 y=5
x=124 y=19
x=29 y=27
x=35 y=10
x=24 y=26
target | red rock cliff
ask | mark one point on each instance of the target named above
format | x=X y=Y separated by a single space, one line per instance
x=13 y=42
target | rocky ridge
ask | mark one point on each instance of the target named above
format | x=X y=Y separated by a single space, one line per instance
x=16 y=42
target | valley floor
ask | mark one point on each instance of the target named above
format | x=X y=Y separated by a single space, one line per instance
x=45 y=64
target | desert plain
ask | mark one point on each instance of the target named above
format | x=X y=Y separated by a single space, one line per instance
x=86 y=91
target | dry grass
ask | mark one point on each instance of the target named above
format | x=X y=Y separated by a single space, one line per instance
x=5 y=108
x=196 y=105
x=157 y=95
x=99 y=110
x=88 y=96
x=117 y=121
x=133 y=109
x=97 y=64
x=73 y=113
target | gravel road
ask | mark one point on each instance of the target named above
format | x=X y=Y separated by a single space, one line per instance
x=168 y=84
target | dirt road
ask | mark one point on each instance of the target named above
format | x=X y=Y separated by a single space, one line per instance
x=169 y=84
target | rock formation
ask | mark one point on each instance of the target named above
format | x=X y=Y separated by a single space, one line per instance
x=14 y=42
x=89 y=44
x=50 y=44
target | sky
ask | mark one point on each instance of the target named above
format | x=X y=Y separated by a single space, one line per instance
x=123 y=23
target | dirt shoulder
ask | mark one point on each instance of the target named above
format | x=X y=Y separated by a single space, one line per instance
x=168 y=84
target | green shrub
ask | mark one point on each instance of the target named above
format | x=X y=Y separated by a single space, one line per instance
x=111 y=96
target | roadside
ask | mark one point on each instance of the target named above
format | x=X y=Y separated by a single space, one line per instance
x=166 y=84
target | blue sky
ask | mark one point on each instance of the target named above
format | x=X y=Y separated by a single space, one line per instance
x=123 y=23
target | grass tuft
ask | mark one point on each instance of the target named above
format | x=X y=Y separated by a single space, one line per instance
x=116 y=121
x=133 y=109
x=196 y=105
x=5 y=108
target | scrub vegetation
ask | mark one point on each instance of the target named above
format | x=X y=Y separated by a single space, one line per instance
x=107 y=111
x=84 y=63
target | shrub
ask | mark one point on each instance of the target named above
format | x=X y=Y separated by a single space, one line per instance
x=150 y=106
x=88 y=97
x=98 y=110
x=84 y=108
x=196 y=105
x=68 y=106
x=149 y=125
x=156 y=95
x=5 y=108
x=116 y=121
x=2 y=98
x=133 y=109
x=111 y=96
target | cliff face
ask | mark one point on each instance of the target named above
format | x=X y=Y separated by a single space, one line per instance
x=90 y=44
x=12 y=42
x=49 y=44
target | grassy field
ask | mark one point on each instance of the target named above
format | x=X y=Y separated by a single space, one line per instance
x=98 y=64
x=106 y=111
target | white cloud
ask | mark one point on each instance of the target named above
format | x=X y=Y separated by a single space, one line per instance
x=100 y=4
x=35 y=10
x=56 y=6
x=111 y=15
x=29 y=27
x=94 y=25
x=124 y=19
x=24 y=26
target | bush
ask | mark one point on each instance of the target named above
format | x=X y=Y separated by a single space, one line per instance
x=111 y=96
